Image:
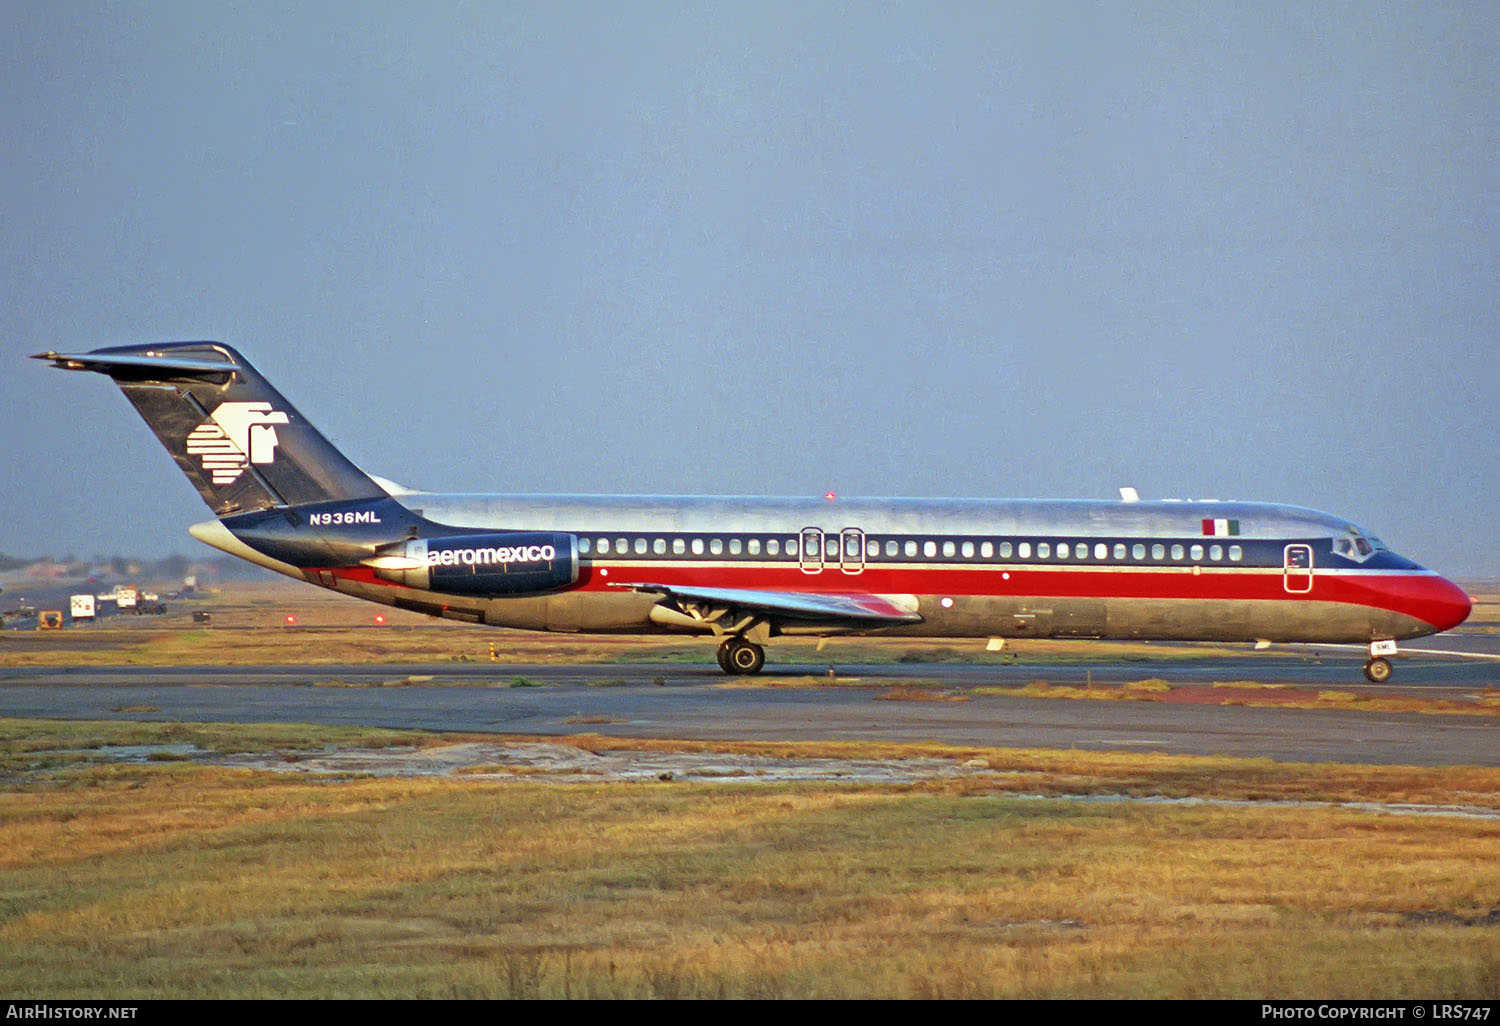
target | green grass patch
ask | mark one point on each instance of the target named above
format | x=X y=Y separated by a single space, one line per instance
x=22 y=741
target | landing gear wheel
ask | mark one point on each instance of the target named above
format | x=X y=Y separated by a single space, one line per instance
x=1378 y=670
x=744 y=657
x=722 y=655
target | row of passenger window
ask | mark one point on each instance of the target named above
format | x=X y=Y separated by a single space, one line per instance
x=1098 y=552
x=849 y=549
x=681 y=546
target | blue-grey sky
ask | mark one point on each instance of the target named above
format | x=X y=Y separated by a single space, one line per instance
x=1035 y=249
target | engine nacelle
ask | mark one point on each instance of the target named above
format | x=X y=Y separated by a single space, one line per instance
x=504 y=563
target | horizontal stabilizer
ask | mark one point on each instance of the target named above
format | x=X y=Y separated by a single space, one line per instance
x=146 y=367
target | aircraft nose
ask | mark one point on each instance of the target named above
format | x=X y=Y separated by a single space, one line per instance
x=1439 y=602
x=1455 y=605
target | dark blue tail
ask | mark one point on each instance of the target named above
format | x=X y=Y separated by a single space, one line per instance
x=236 y=438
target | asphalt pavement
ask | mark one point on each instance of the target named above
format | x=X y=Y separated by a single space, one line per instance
x=802 y=702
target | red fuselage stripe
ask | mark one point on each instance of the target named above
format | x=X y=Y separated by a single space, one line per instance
x=1419 y=594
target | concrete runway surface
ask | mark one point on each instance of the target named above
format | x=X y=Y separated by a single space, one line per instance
x=695 y=701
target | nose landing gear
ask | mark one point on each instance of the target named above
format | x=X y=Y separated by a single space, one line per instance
x=1378 y=669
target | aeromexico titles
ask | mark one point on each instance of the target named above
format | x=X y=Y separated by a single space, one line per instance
x=743 y=570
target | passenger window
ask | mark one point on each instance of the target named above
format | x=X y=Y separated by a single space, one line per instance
x=968 y=550
x=1236 y=553
x=1216 y=553
x=603 y=546
x=1064 y=550
x=622 y=546
x=948 y=549
x=773 y=547
x=1005 y=550
x=678 y=546
x=734 y=546
x=716 y=546
x=929 y=549
x=1138 y=551
x=1176 y=551
x=583 y=546
x=911 y=549
x=1101 y=551
x=1120 y=552
x=986 y=550
x=659 y=546
x=640 y=546
x=791 y=547
x=1083 y=550
x=1196 y=552
x=754 y=546
x=697 y=546
x=1158 y=551
x=892 y=549
x=1024 y=550
x=1043 y=550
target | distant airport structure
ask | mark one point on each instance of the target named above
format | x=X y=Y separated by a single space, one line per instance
x=745 y=570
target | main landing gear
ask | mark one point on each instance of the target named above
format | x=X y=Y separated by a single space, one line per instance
x=737 y=655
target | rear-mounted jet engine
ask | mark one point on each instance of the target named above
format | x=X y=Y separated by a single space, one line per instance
x=482 y=564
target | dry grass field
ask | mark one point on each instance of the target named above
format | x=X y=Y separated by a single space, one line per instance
x=174 y=879
x=1042 y=874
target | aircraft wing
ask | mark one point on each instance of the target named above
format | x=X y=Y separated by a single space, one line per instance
x=849 y=607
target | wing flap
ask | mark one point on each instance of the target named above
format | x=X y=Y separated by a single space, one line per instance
x=792 y=605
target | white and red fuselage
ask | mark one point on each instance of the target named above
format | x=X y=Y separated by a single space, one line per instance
x=747 y=569
x=1221 y=571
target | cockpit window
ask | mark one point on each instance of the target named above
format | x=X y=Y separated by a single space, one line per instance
x=1356 y=546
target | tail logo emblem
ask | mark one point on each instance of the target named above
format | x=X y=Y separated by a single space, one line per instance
x=235 y=436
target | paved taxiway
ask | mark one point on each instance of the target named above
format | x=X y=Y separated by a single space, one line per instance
x=695 y=701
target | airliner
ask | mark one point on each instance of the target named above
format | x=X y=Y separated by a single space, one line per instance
x=743 y=570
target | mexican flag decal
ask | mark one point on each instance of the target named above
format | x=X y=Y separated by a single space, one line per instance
x=1221 y=528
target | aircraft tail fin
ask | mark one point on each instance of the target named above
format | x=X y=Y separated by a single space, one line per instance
x=240 y=443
